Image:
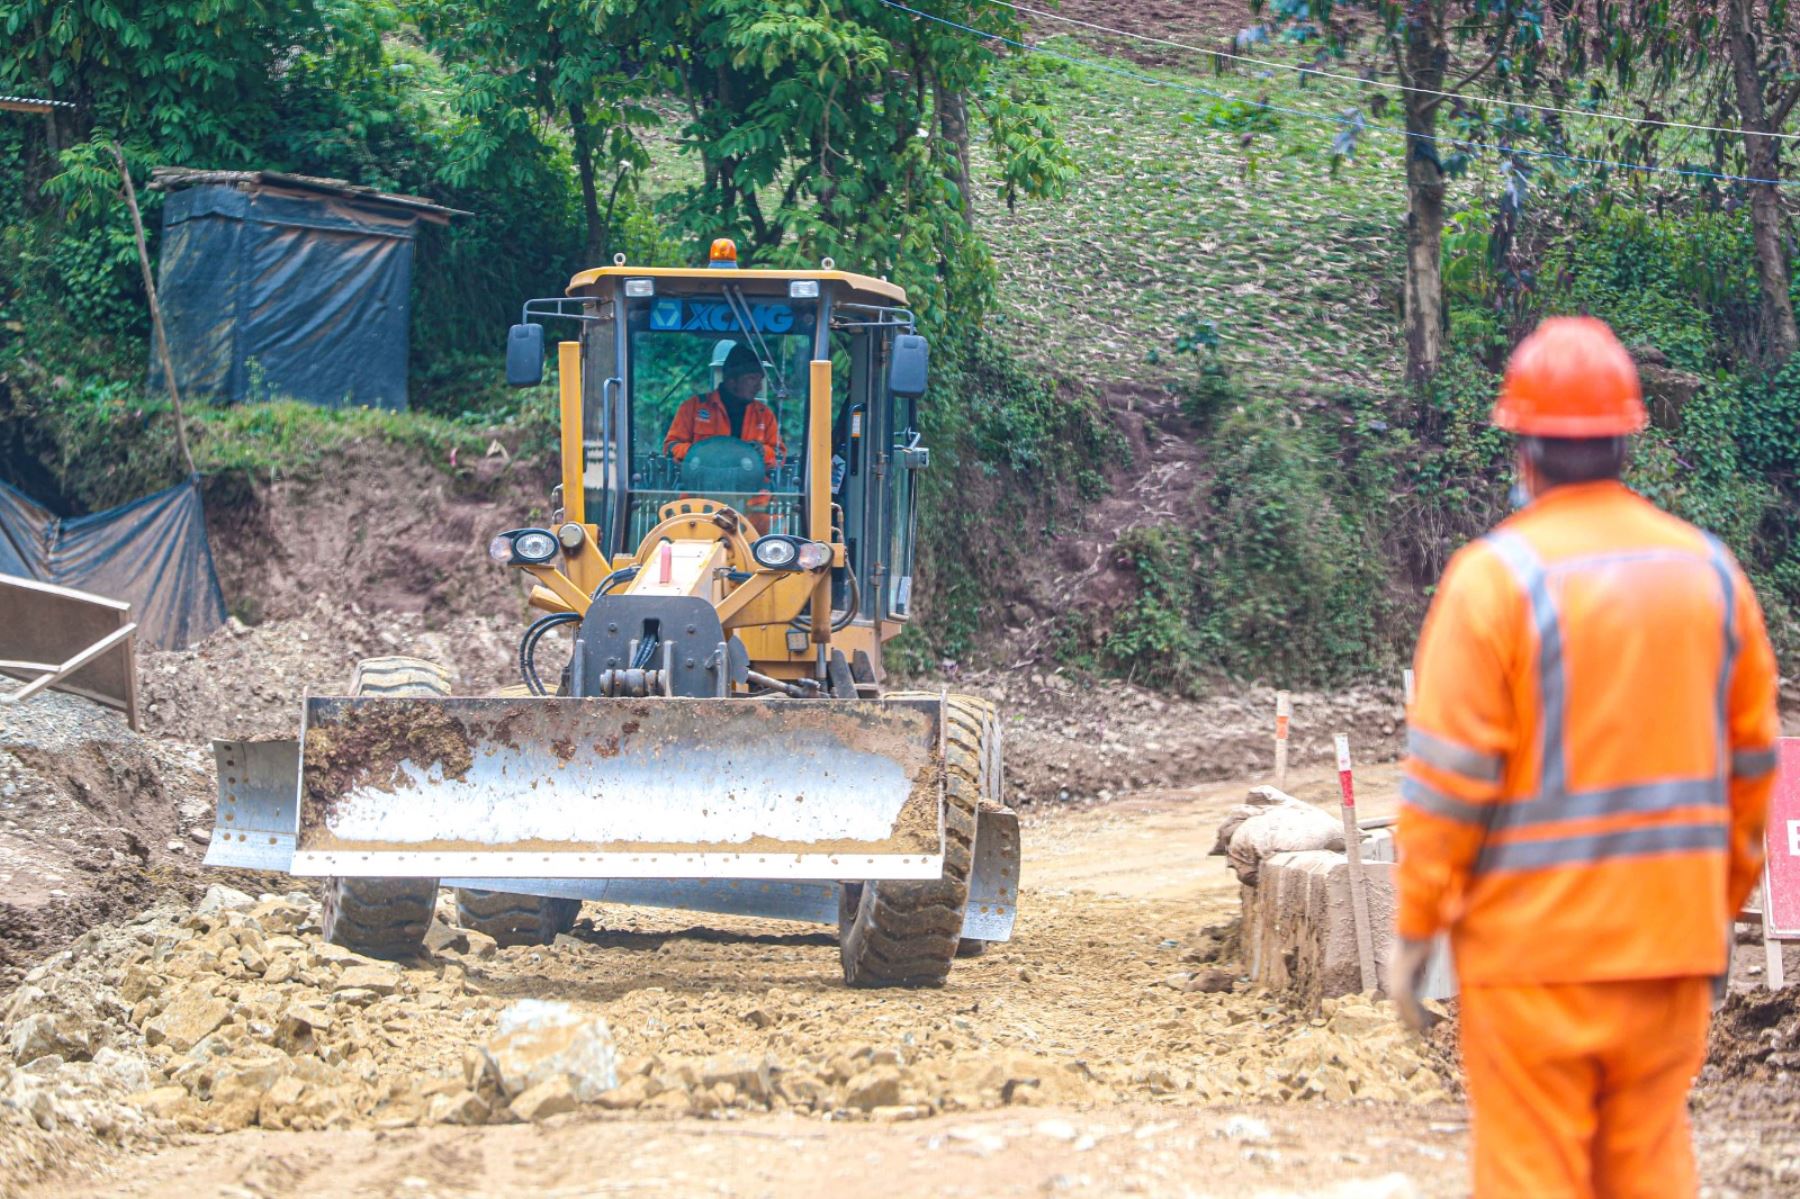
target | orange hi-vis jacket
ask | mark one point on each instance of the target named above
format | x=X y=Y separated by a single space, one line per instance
x=1592 y=747
x=701 y=417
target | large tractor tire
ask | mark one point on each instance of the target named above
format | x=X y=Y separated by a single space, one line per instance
x=906 y=933
x=515 y=919
x=385 y=917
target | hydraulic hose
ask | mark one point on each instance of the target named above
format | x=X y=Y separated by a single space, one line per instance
x=529 y=642
x=838 y=623
x=622 y=575
x=528 y=647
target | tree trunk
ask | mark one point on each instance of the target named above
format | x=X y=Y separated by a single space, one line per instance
x=1763 y=156
x=953 y=121
x=590 y=196
x=1427 y=55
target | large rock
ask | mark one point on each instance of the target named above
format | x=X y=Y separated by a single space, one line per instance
x=552 y=1097
x=539 y=1040
x=187 y=1019
x=57 y=1034
x=220 y=898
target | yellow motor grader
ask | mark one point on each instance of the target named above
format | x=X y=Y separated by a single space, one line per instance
x=700 y=721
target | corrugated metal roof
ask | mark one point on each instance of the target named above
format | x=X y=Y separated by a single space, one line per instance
x=31 y=104
x=176 y=178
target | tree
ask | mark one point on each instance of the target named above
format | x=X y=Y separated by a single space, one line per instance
x=1749 y=50
x=1505 y=45
x=1762 y=44
x=514 y=61
x=840 y=128
x=199 y=77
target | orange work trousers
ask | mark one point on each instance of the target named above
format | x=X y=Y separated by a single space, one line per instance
x=1579 y=1090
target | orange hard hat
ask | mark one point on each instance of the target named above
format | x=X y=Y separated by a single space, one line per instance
x=1571 y=378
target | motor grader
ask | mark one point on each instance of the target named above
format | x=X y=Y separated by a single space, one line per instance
x=700 y=721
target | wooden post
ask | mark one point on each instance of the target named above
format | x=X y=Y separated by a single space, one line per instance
x=156 y=320
x=1359 y=892
x=1284 y=710
x=1774 y=970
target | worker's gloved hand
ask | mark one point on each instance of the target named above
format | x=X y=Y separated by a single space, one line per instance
x=1406 y=979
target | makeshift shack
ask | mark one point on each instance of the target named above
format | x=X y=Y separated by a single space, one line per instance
x=287 y=286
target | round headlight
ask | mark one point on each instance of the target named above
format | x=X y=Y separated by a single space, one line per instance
x=534 y=546
x=570 y=536
x=813 y=555
x=500 y=548
x=774 y=552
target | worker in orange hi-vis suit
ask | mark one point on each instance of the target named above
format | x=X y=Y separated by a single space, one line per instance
x=731 y=411
x=1592 y=748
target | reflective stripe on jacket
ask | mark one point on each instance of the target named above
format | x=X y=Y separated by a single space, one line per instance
x=701 y=417
x=1591 y=747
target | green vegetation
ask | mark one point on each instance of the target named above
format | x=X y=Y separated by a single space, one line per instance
x=1236 y=268
x=1073 y=239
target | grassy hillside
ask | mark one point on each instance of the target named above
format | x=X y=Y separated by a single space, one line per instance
x=1290 y=502
x=1191 y=208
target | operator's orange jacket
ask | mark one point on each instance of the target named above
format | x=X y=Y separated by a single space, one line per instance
x=1591 y=749
x=701 y=417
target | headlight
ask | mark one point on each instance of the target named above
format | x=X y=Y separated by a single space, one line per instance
x=779 y=551
x=500 y=548
x=534 y=545
x=776 y=553
x=570 y=536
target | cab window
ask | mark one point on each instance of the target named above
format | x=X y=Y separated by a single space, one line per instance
x=717 y=410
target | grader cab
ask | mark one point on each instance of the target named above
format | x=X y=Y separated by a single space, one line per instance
x=700 y=721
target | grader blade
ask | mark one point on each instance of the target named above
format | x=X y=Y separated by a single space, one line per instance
x=256 y=818
x=606 y=788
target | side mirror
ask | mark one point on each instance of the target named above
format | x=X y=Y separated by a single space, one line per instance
x=525 y=355
x=909 y=365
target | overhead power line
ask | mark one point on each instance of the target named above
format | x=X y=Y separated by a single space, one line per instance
x=1333 y=118
x=1594 y=114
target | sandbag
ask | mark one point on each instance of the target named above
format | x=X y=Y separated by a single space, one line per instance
x=1272 y=822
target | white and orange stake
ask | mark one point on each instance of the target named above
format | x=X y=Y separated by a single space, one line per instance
x=1284 y=710
x=1359 y=891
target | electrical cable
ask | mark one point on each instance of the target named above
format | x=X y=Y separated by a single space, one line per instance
x=1382 y=83
x=1515 y=151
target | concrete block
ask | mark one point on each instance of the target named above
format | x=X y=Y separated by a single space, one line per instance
x=1299 y=931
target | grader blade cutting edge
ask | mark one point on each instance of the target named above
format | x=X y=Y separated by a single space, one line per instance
x=605 y=788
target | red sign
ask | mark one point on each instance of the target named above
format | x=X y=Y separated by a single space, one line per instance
x=1781 y=847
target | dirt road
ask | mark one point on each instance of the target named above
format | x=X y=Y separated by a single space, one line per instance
x=1092 y=1055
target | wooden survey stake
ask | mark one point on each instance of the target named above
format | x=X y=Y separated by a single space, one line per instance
x=1284 y=710
x=1359 y=891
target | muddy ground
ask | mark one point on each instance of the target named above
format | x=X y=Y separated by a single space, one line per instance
x=1111 y=1048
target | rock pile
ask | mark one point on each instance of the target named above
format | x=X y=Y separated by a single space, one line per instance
x=237 y=1013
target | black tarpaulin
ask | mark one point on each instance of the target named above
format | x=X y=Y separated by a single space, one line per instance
x=271 y=294
x=151 y=553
